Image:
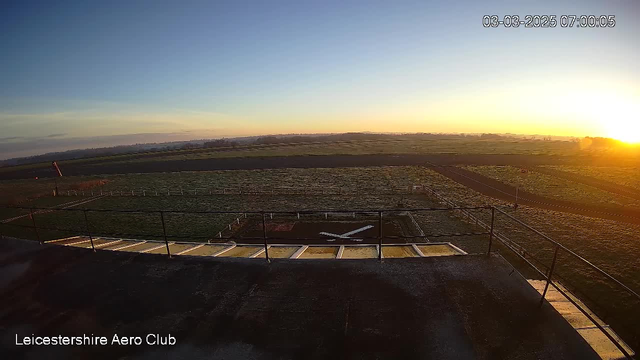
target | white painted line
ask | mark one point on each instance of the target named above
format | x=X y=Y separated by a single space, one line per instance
x=76 y=243
x=224 y=250
x=155 y=248
x=190 y=249
x=259 y=252
x=63 y=239
x=417 y=250
x=106 y=244
x=591 y=327
x=462 y=252
x=299 y=252
x=416 y=224
x=130 y=245
x=340 y=252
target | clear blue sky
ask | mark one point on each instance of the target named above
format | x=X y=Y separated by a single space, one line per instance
x=76 y=69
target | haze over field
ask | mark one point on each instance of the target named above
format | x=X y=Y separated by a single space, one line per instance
x=90 y=74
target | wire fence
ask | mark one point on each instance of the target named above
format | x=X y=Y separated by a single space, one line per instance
x=141 y=192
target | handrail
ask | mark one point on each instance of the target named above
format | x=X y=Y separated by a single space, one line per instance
x=377 y=213
x=572 y=253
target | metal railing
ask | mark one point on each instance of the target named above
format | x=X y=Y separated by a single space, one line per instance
x=522 y=254
x=372 y=215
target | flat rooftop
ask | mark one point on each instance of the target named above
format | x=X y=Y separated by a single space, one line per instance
x=452 y=307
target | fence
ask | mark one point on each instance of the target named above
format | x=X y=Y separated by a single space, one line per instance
x=408 y=190
x=545 y=271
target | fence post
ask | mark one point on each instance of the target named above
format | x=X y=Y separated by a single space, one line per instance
x=35 y=228
x=380 y=235
x=553 y=265
x=264 y=235
x=164 y=233
x=86 y=222
x=493 y=217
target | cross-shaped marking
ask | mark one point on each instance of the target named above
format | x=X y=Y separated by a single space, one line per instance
x=347 y=234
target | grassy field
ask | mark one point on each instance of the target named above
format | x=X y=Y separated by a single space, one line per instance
x=349 y=188
x=553 y=187
x=627 y=176
x=391 y=146
x=396 y=145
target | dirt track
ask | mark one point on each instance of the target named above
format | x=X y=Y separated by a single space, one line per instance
x=498 y=190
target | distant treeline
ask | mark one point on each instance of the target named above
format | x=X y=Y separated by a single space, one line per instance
x=236 y=142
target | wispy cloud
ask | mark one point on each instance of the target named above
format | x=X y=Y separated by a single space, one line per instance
x=40 y=145
x=11 y=138
x=111 y=119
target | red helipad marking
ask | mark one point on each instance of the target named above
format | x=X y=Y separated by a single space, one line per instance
x=277 y=227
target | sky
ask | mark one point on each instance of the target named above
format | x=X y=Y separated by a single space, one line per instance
x=73 y=71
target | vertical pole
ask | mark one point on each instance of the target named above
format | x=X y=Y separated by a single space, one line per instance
x=493 y=217
x=553 y=265
x=35 y=228
x=380 y=235
x=164 y=233
x=86 y=222
x=264 y=235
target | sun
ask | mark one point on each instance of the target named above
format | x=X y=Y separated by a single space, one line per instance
x=619 y=117
x=624 y=130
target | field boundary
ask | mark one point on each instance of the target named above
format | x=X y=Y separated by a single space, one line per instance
x=406 y=190
x=480 y=183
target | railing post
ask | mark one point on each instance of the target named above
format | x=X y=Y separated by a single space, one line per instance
x=380 y=235
x=553 y=265
x=493 y=217
x=264 y=236
x=35 y=228
x=164 y=233
x=86 y=222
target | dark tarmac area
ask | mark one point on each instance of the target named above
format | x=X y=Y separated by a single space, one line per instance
x=499 y=190
x=457 y=307
x=91 y=167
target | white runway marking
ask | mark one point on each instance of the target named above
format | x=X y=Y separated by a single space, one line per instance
x=347 y=234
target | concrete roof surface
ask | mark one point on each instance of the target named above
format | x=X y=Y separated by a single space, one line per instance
x=456 y=307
